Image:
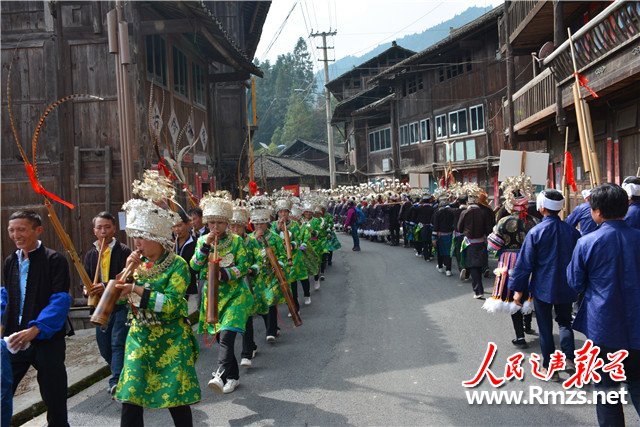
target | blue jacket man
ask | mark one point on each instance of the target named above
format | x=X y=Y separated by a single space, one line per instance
x=544 y=257
x=582 y=215
x=606 y=267
x=631 y=185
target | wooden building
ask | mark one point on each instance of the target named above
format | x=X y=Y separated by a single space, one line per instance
x=606 y=37
x=353 y=90
x=441 y=106
x=197 y=55
x=316 y=153
x=275 y=172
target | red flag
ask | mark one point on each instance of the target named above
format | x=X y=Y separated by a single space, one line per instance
x=583 y=82
x=570 y=179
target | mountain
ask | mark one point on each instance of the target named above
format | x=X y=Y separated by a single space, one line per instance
x=415 y=42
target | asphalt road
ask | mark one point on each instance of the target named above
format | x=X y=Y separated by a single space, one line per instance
x=386 y=341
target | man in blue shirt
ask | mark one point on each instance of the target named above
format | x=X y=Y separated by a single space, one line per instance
x=606 y=267
x=582 y=215
x=37 y=282
x=544 y=257
x=631 y=185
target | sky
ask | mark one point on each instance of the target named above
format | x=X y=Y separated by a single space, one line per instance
x=361 y=25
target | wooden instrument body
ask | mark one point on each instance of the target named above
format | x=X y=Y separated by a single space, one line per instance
x=212 y=289
x=107 y=303
x=287 y=241
x=284 y=286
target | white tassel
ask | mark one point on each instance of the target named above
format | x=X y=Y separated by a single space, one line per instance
x=513 y=308
x=527 y=307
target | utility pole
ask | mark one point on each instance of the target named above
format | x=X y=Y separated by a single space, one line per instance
x=327 y=95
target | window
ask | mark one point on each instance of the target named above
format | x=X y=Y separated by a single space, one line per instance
x=441 y=126
x=198 y=84
x=470 y=145
x=414 y=133
x=180 y=72
x=414 y=84
x=441 y=74
x=476 y=114
x=459 y=149
x=380 y=140
x=156 y=50
x=403 y=133
x=425 y=130
x=458 y=122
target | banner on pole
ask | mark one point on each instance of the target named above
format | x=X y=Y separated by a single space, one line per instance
x=536 y=165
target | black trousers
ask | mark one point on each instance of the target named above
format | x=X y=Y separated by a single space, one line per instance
x=323 y=266
x=47 y=357
x=248 y=343
x=330 y=258
x=132 y=416
x=444 y=260
x=394 y=230
x=405 y=233
x=521 y=322
x=476 y=279
x=227 y=361
x=272 y=321
x=613 y=414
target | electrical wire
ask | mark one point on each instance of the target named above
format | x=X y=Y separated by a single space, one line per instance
x=277 y=34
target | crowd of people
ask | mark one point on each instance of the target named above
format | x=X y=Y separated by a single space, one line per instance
x=255 y=253
x=587 y=277
x=148 y=341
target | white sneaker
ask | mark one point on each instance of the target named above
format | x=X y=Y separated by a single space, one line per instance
x=253 y=355
x=440 y=269
x=321 y=278
x=307 y=300
x=271 y=338
x=216 y=384
x=448 y=273
x=316 y=285
x=418 y=255
x=245 y=362
x=230 y=386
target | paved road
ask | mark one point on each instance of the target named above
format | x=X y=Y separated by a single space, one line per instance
x=387 y=341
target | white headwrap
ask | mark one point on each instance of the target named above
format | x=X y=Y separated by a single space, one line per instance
x=631 y=189
x=586 y=193
x=543 y=202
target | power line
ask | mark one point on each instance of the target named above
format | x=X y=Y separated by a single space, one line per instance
x=386 y=38
x=275 y=37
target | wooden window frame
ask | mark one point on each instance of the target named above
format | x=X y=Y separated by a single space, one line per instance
x=472 y=110
x=162 y=79
x=427 y=126
x=444 y=127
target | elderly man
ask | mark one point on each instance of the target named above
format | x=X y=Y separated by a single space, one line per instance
x=581 y=215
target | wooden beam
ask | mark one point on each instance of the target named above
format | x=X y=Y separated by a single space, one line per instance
x=167 y=26
x=530 y=16
x=229 y=77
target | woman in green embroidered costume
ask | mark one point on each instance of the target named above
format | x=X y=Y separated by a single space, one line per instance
x=235 y=301
x=161 y=349
x=299 y=237
x=238 y=226
x=264 y=277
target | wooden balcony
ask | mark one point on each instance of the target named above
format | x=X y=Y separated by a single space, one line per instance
x=614 y=28
x=535 y=100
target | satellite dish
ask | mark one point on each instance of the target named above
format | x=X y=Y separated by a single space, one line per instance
x=281 y=147
x=263 y=145
x=546 y=50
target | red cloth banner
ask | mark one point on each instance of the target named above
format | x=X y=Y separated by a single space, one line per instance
x=583 y=82
x=294 y=188
x=571 y=180
x=38 y=188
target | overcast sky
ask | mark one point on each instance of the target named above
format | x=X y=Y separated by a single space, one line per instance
x=361 y=24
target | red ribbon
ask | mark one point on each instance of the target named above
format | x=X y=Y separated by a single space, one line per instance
x=162 y=166
x=583 y=82
x=570 y=178
x=253 y=188
x=37 y=187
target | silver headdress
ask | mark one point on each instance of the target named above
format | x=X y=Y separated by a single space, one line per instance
x=217 y=206
x=260 y=209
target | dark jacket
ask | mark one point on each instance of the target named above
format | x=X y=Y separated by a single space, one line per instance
x=393 y=211
x=119 y=255
x=423 y=213
x=48 y=274
x=186 y=252
x=443 y=220
x=476 y=222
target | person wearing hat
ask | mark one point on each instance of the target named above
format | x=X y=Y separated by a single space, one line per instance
x=581 y=216
x=314 y=251
x=507 y=238
x=631 y=185
x=238 y=226
x=393 y=213
x=235 y=301
x=443 y=234
x=605 y=266
x=541 y=268
x=161 y=349
x=333 y=244
x=262 y=275
x=185 y=246
x=475 y=223
x=403 y=217
x=299 y=239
